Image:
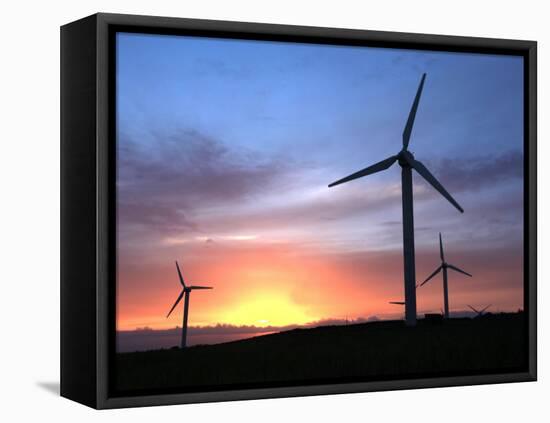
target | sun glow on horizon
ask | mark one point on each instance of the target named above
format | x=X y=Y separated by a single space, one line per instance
x=266 y=309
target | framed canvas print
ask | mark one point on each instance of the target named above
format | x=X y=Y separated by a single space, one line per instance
x=255 y=211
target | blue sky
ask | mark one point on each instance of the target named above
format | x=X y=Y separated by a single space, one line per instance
x=233 y=140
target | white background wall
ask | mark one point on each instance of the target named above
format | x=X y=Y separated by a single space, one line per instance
x=29 y=240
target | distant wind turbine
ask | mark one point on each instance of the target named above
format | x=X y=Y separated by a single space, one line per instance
x=444 y=266
x=407 y=162
x=479 y=312
x=185 y=290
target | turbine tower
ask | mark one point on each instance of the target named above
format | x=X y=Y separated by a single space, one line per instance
x=185 y=290
x=444 y=266
x=479 y=312
x=407 y=162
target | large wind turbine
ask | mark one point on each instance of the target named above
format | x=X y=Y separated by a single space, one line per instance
x=185 y=290
x=407 y=162
x=444 y=266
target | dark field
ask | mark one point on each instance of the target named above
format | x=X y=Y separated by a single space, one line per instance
x=332 y=354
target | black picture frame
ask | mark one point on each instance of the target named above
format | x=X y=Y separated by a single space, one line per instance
x=88 y=199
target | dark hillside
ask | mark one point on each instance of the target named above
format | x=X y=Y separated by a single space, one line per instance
x=369 y=351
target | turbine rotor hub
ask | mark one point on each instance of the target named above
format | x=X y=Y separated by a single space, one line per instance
x=404 y=157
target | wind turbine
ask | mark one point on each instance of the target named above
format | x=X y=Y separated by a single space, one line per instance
x=479 y=312
x=407 y=162
x=185 y=290
x=444 y=266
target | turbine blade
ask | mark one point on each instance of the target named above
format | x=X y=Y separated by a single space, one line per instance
x=458 y=270
x=179 y=273
x=200 y=287
x=176 y=303
x=397 y=302
x=436 y=271
x=426 y=174
x=377 y=167
x=410 y=121
x=441 y=248
x=473 y=309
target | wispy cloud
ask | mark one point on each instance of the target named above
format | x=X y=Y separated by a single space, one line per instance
x=164 y=188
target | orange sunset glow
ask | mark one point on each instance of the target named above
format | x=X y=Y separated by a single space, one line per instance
x=262 y=285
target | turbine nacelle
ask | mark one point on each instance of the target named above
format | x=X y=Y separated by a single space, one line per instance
x=405 y=158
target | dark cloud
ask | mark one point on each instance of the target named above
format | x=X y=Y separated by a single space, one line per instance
x=472 y=174
x=160 y=188
x=188 y=167
x=154 y=217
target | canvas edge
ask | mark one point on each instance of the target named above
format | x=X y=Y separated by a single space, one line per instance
x=531 y=86
x=77 y=212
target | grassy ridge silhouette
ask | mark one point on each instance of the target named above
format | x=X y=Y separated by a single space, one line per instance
x=367 y=351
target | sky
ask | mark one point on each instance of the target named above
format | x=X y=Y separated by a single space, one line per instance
x=225 y=149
